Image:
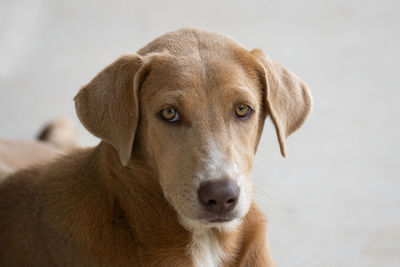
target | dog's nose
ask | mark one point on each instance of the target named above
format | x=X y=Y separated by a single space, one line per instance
x=219 y=197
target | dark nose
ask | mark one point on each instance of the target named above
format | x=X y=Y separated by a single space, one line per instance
x=219 y=197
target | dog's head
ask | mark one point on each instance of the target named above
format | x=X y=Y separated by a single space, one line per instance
x=195 y=102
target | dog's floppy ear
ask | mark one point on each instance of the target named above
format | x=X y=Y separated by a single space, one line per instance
x=108 y=106
x=287 y=98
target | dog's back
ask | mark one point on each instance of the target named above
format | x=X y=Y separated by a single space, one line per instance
x=15 y=155
x=54 y=139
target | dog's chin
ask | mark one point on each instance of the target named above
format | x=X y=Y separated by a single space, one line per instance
x=220 y=220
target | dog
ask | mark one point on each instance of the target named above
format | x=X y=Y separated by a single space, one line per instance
x=169 y=183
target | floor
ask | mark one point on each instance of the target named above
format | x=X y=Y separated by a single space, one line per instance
x=335 y=201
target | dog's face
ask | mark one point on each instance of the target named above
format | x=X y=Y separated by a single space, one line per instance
x=201 y=121
x=199 y=113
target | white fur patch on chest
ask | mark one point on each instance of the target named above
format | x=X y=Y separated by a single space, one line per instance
x=205 y=249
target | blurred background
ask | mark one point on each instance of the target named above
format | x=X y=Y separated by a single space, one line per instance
x=335 y=201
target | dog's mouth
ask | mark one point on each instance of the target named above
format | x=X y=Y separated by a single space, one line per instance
x=221 y=218
x=222 y=223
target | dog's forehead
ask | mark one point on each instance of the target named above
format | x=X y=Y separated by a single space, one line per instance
x=197 y=64
x=210 y=75
x=195 y=55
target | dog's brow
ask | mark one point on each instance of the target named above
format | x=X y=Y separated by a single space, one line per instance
x=242 y=93
x=166 y=92
x=178 y=98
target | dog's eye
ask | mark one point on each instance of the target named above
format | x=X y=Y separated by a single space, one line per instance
x=169 y=114
x=243 y=110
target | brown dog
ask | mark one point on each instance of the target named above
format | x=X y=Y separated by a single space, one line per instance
x=169 y=185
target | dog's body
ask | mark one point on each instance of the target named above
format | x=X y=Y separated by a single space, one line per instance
x=86 y=221
x=137 y=198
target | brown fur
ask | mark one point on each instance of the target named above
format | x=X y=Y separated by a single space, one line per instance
x=112 y=205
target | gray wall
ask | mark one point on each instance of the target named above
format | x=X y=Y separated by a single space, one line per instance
x=336 y=200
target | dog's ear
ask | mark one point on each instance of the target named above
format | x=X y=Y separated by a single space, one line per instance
x=287 y=98
x=108 y=106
